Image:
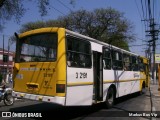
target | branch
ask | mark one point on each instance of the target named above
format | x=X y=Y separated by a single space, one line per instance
x=2 y=3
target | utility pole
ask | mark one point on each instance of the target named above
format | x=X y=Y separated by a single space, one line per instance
x=8 y=57
x=3 y=60
x=154 y=38
x=159 y=77
x=153 y=33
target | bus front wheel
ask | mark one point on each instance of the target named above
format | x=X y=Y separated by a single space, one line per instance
x=143 y=90
x=110 y=98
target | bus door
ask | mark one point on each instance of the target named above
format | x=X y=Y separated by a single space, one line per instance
x=97 y=74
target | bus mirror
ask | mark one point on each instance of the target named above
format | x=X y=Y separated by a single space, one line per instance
x=16 y=35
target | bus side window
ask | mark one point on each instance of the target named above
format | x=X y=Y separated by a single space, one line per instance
x=106 y=58
x=134 y=66
x=141 y=65
x=78 y=53
x=69 y=58
x=117 y=60
x=126 y=62
x=69 y=53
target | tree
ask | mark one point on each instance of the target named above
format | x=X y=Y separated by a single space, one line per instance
x=40 y=24
x=16 y=8
x=107 y=25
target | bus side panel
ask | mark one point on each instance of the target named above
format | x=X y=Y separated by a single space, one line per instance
x=129 y=87
x=129 y=82
x=126 y=82
x=79 y=86
x=108 y=79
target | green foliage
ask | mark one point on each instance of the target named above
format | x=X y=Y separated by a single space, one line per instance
x=107 y=25
x=11 y=9
x=39 y=24
x=15 y=9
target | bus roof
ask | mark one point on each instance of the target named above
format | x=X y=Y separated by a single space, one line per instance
x=76 y=34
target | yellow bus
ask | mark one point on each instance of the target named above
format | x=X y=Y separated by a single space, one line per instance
x=60 y=66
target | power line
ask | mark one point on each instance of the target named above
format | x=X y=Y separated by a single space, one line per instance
x=140 y=39
x=149 y=10
x=132 y=45
x=158 y=15
x=142 y=17
x=153 y=32
x=64 y=5
x=137 y=45
x=149 y=7
x=138 y=9
x=57 y=10
x=67 y=7
x=147 y=24
x=153 y=8
x=144 y=14
x=142 y=10
x=146 y=9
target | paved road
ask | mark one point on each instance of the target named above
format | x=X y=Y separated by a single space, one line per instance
x=136 y=103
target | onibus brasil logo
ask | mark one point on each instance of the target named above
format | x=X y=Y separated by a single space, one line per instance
x=15 y=114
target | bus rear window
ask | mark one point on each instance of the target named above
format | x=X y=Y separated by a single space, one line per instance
x=38 y=48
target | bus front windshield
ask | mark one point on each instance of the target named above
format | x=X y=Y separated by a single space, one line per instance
x=38 y=48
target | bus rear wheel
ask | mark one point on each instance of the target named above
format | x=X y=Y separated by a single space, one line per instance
x=110 y=98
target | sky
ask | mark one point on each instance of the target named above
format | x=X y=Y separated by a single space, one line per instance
x=131 y=9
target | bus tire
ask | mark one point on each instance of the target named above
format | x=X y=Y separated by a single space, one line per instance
x=143 y=90
x=110 y=98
